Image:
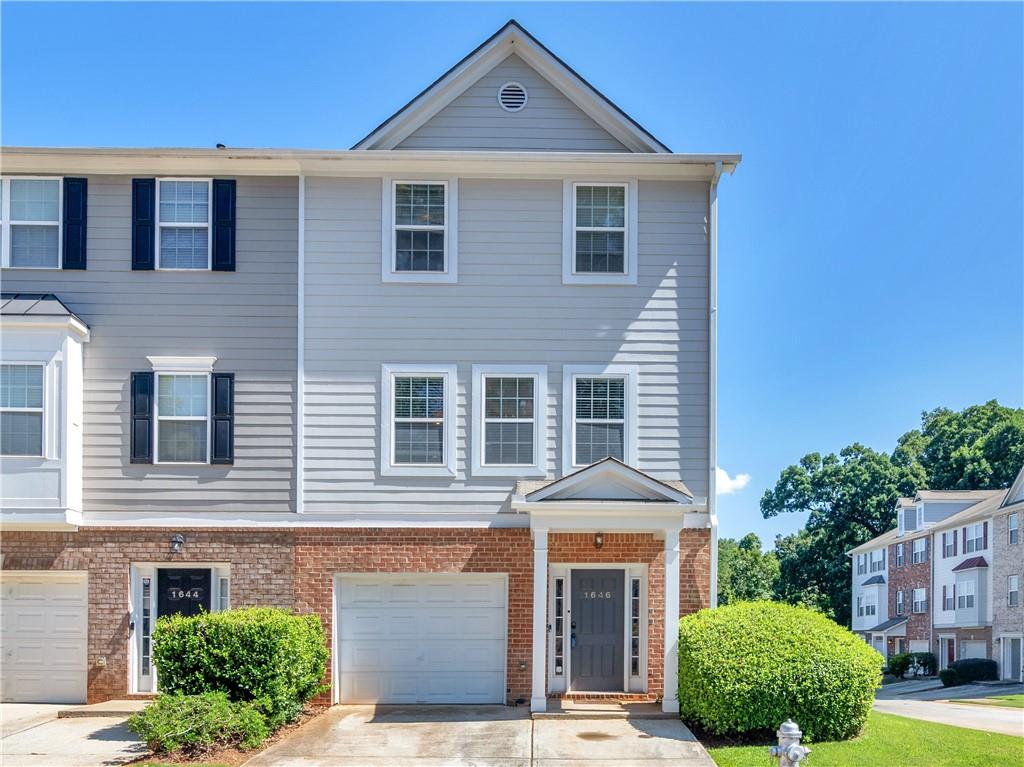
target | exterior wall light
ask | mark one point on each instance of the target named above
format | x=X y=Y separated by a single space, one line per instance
x=598 y=540
x=176 y=543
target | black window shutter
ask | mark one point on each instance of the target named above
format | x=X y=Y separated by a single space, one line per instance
x=222 y=447
x=142 y=418
x=223 y=225
x=75 y=219
x=143 y=223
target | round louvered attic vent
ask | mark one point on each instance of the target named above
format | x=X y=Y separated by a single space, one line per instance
x=512 y=97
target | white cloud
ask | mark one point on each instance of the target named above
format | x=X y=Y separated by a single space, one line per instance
x=726 y=485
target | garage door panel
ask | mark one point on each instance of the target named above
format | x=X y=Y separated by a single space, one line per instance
x=426 y=638
x=45 y=630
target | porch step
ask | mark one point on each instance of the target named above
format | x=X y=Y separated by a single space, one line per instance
x=606 y=697
x=559 y=708
x=114 y=709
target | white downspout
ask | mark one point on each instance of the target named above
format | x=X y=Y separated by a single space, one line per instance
x=300 y=356
x=713 y=373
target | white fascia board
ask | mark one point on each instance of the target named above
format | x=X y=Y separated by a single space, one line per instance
x=289 y=520
x=182 y=364
x=356 y=163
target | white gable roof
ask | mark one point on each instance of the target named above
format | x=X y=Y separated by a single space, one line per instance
x=610 y=480
x=1016 y=491
x=511 y=39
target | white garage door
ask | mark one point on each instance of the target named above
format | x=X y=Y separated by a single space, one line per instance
x=44 y=636
x=973 y=648
x=422 y=638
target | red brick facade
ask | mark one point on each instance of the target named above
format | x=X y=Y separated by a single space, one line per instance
x=906 y=578
x=295 y=568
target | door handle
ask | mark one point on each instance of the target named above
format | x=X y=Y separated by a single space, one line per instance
x=572 y=639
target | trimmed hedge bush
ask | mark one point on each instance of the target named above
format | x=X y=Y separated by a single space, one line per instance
x=749 y=666
x=196 y=723
x=900 y=664
x=260 y=654
x=969 y=670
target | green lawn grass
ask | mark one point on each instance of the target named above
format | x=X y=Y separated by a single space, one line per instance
x=895 y=741
x=1008 y=701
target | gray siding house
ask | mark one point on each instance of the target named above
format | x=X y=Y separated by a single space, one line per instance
x=452 y=389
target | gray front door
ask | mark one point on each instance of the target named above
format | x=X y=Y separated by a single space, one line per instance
x=597 y=630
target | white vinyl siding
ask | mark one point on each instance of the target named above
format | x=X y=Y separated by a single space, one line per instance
x=182 y=418
x=21 y=409
x=184 y=216
x=30 y=210
x=420 y=236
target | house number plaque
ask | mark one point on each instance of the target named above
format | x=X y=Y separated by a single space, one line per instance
x=176 y=594
x=596 y=594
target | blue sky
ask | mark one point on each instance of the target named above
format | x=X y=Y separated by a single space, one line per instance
x=871 y=242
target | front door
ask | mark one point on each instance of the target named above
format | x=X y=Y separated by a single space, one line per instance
x=947 y=651
x=597 y=639
x=1012 y=658
x=183 y=592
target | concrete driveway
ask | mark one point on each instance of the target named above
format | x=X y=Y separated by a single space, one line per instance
x=33 y=736
x=481 y=736
x=931 y=702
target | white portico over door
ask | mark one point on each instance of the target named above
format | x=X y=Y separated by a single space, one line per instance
x=604 y=600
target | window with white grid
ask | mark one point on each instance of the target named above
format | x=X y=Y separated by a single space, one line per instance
x=30 y=219
x=1012 y=590
x=509 y=420
x=599 y=228
x=182 y=418
x=420 y=222
x=920 y=601
x=21 y=410
x=183 y=219
x=965 y=595
x=419 y=420
x=919 y=551
x=599 y=405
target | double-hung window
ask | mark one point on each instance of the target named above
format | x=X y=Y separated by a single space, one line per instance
x=920 y=601
x=862 y=565
x=899 y=602
x=870 y=605
x=182 y=418
x=975 y=538
x=1013 y=528
x=965 y=595
x=420 y=235
x=183 y=223
x=949 y=544
x=21 y=409
x=877 y=565
x=860 y=607
x=418 y=425
x=600 y=413
x=509 y=419
x=949 y=597
x=1012 y=590
x=599 y=241
x=899 y=555
x=30 y=209
x=919 y=551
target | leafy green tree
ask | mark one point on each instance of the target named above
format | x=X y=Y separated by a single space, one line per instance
x=745 y=572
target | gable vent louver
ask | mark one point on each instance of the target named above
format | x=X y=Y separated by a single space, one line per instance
x=512 y=97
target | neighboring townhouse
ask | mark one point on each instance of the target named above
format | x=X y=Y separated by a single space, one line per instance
x=962 y=582
x=1008 y=582
x=453 y=390
x=892 y=595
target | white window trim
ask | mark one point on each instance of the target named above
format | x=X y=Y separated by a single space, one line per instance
x=5 y=223
x=569 y=374
x=900 y=606
x=918 y=555
x=1010 y=530
x=451 y=231
x=1009 y=591
x=569 y=274
x=387 y=423
x=899 y=555
x=157 y=417
x=923 y=601
x=963 y=594
x=190 y=225
x=44 y=411
x=975 y=543
x=539 y=374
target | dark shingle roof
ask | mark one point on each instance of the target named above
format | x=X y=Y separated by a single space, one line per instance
x=971 y=564
x=890 y=623
x=34 y=305
x=873 y=580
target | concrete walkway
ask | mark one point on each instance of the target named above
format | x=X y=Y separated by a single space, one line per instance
x=481 y=736
x=33 y=736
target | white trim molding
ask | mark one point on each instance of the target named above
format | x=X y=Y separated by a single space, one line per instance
x=182 y=364
x=207 y=225
x=631 y=374
x=630 y=239
x=539 y=375
x=388 y=374
x=388 y=272
x=6 y=223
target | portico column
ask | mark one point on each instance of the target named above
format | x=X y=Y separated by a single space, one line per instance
x=670 y=696
x=538 y=693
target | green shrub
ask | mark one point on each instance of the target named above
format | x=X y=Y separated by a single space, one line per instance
x=949 y=677
x=749 y=666
x=899 y=664
x=195 y=723
x=258 y=654
x=969 y=670
x=925 y=661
